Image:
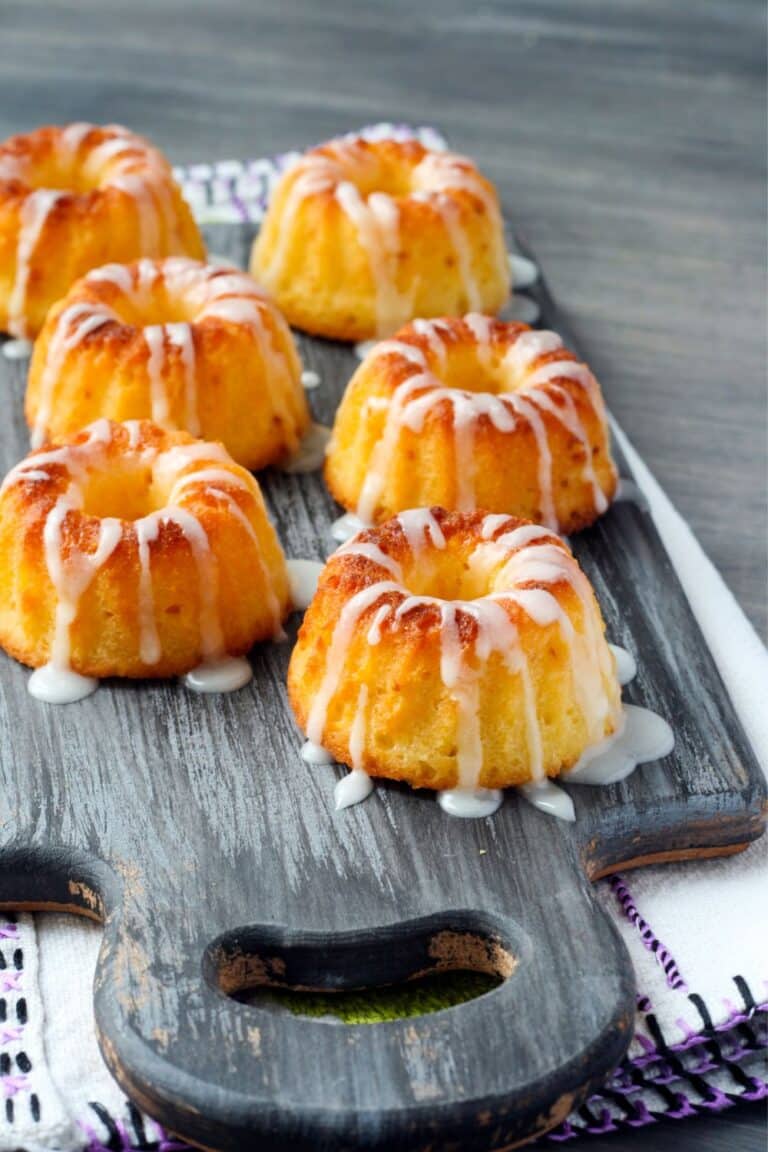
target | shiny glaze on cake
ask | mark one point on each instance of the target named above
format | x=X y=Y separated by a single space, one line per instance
x=185 y=344
x=361 y=236
x=473 y=413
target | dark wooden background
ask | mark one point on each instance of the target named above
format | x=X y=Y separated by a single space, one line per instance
x=628 y=140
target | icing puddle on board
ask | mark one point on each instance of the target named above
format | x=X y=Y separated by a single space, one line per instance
x=310 y=380
x=642 y=736
x=303 y=576
x=311 y=453
x=346 y=527
x=17 y=349
x=524 y=271
x=224 y=675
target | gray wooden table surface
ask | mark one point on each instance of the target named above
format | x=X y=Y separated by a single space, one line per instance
x=628 y=139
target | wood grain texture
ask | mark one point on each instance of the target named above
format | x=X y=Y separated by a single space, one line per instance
x=191 y=826
x=629 y=139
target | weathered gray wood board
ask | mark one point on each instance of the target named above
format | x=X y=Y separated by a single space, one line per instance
x=629 y=139
x=212 y=852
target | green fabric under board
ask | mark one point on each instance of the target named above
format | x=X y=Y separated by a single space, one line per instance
x=372 y=1006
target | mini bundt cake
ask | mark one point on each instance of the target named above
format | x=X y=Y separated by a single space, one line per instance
x=361 y=236
x=76 y=197
x=473 y=413
x=132 y=551
x=455 y=650
x=181 y=343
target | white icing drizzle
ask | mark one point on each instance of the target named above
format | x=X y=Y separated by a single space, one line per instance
x=303 y=576
x=524 y=272
x=126 y=162
x=315 y=754
x=147 y=531
x=347 y=526
x=310 y=380
x=528 y=557
x=430 y=331
x=376 y=219
x=73 y=325
x=311 y=453
x=72 y=137
x=548 y=797
x=117 y=274
x=17 y=349
x=154 y=336
x=352 y=789
x=526 y=554
x=522 y=308
x=363 y=347
x=357 y=785
x=236 y=511
x=446 y=172
x=57 y=682
x=72 y=571
x=422 y=392
x=179 y=336
x=626 y=666
x=450 y=214
x=470 y=803
x=227 y=674
x=420 y=528
x=640 y=736
x=372 y=551
x=231 y=296
x=481 y=328
x=34 y=212
x=60 y=685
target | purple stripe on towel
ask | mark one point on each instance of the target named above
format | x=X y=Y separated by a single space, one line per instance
x=649 y=938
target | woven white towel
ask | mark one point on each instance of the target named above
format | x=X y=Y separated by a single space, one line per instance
x=698 y=949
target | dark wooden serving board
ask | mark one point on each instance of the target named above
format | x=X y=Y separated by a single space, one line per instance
x=190 y=825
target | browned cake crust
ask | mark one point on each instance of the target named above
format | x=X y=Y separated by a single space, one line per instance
x=74 y=197
x=443 y=646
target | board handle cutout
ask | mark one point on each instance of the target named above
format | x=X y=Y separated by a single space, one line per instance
x=482 y=1074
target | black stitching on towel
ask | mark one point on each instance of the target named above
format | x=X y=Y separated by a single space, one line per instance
x=746 y=993
x=115 y=1140
x=23 y=1062
x=138 y=1126
x=34 y=1106
x=21 y=1010
x=702 y=1009
x=18 y=959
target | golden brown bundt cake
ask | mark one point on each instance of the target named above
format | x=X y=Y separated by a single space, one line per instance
x=132 y=551
x=473 y=413
x=76 y=197
x=455 y=650
x=360 y=236
x=182 y=343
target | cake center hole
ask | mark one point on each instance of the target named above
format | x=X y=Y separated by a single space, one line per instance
x=376 y=175
x=125 y=492
x=445 y=575
x=153 y=306
x=480 y=369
